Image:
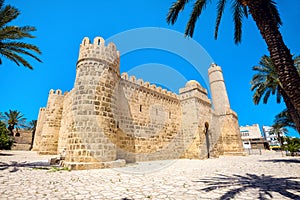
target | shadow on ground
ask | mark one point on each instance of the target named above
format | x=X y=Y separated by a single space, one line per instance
x=14 y=166
x=6 y=154
x=237 y=184
x=282 y=160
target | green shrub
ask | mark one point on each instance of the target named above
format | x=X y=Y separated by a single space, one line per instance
x=293 y=145
x=6 y=141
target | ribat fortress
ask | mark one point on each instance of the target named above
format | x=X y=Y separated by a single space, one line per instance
x=109 y=119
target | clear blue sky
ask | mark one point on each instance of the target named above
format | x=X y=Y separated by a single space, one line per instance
x=61 y=26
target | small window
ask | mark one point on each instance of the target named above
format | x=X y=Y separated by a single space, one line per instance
x=170 y=115
x=140 y=108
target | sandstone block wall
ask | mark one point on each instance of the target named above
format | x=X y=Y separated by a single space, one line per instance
x=39 y=130
x=51 y=124
x=146 y=115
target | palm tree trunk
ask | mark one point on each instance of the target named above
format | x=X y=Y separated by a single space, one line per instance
x=291 y=110
x=11 y=130
x=279 y=52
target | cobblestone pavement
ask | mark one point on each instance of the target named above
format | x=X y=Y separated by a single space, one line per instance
x=266 y=176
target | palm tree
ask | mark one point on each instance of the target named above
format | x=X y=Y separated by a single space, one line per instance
x=284 y=119
x=14 y=119
x=10 y=45
x=32 y=125
x=266 y=82
x=267 y=19
x=279 y=131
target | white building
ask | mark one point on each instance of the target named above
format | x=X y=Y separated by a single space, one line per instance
x=272 y=139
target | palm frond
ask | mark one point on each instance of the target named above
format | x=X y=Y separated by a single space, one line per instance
x=22 y=51
x=1 y=114
x=176 y=7
x=8 y=55
x=245 y=10
x=220 y=9
x=266 y=62
x=19 y=45
x=8 y=14
x=238 y=13
x=1 y=4
x=297 y=63
x=259 y=93
x=278 y=95
x=267 y=95
x=284 y=119
x=199 y=6
x=272 y=6
x=15 y=58
x=261 y=69
x=16 y=33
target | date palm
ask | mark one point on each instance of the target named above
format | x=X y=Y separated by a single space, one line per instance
x=279 y=131
x=266 y=83
x=11 y=45
x=14 y=119
x=284 y=119
x=267 y=19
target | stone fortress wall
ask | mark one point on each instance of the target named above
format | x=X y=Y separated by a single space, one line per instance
x=108 y=118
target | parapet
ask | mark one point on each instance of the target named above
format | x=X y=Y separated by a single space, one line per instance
x=214 y=67
x=98 y=51
x=146 y=85
x=57 y=92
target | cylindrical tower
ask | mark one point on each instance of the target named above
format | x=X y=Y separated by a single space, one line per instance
x=218 y=90
x=229 y=141
x=93 y=126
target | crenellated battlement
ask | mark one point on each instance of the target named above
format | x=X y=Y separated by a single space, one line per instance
x=55 y=92
x=98 y=51
x=146 y=85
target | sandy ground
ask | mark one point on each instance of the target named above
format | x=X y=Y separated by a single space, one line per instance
x=26 y=175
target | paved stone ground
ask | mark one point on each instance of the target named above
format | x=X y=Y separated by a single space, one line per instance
x=266 y=176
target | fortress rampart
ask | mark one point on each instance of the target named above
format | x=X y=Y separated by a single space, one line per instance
x=108 y=119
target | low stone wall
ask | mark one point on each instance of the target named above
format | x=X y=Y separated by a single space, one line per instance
x=23 y=140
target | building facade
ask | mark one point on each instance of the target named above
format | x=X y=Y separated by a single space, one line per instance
x=252 y=137
x=271 y=138
x=109 y=118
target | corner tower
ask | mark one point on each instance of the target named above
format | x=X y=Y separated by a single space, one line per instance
x=48 y=124
x=91 y=141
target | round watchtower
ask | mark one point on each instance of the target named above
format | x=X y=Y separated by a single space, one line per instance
x=97 y=74
x=97 y=51
x=218 y=90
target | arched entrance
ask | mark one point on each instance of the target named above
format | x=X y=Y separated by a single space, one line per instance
x=207 y=138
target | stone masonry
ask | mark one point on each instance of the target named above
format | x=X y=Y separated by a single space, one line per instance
x=108 y=119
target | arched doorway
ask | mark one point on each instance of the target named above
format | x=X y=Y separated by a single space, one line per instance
x=206 y=125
